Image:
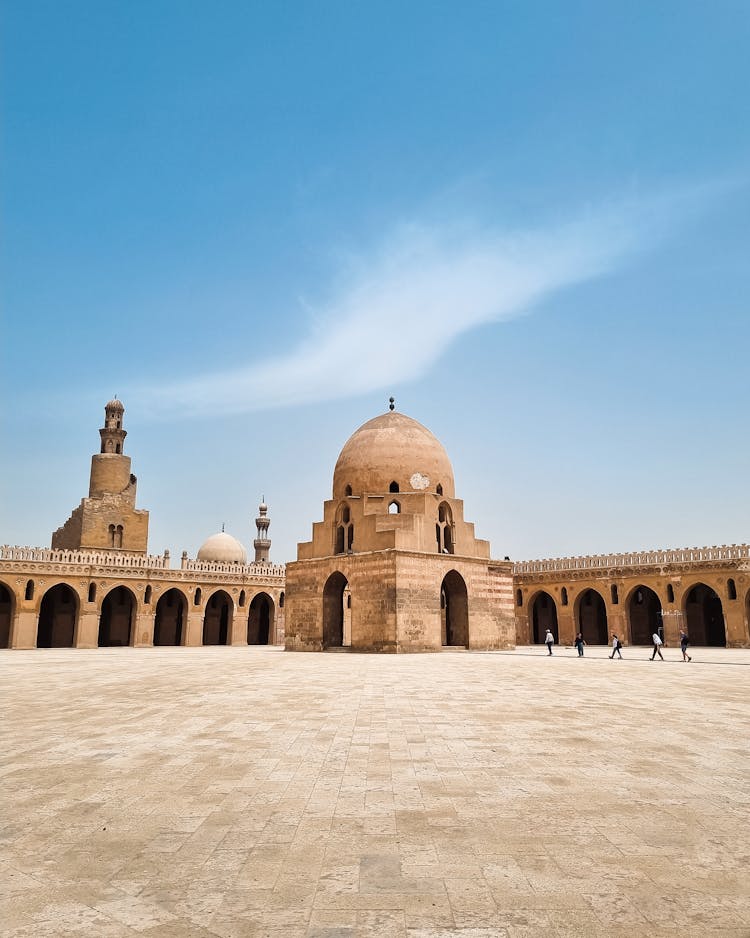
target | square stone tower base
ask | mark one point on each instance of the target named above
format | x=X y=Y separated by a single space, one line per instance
x=399 y=601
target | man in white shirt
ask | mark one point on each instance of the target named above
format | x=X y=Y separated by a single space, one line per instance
x=656 y=639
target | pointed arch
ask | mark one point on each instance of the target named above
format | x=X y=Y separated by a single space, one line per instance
x=591 y=616
x=170 y=618
x=58 y=617
x=644 y=615
x=117 y=618
x=7 y=614
x=704 y=616
x=542 y=616
x=333 y=610
x=217 y=619
x=454 y=606
x=260 y=620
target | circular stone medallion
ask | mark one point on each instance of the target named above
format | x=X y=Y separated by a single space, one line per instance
x=419 y=482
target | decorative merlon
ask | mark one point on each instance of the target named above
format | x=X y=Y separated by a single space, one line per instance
x=653 y=558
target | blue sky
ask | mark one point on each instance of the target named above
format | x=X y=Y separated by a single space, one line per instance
x=530 y=222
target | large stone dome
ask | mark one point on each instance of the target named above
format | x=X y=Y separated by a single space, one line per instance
x=222 y=548
x=392 y=448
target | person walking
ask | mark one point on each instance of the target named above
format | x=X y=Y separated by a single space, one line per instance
x=579 y=644
x=684 y=640
x=656 y=639
x=616 y=646
x=549 y=641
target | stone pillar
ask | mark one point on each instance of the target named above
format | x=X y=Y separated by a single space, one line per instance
x=617 y=622
x=23 y=630
x=279 y=626
x=523 y=629
x=735 y=624
x=566 y=624
x=672 y=621
x=194 y=631
x=238 y=634
x=144 y=628
x=87 y=631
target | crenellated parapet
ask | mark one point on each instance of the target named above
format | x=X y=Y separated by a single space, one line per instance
x=264 y=570
x=729 y=554
x=84 y=557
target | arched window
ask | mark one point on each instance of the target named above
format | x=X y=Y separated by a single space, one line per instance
x=444 y=529
x=615 y=597
x=117 y=448
x=439 y=489
x=731 y=589
x=111 y=531
x=670 y=593
x=281 y=601
x=339 y=548
x=118 y=536
x=519 y=597
x=92 y=592
x=393 y=487
x=348 y=490
x=29 y=590
x=394 y=508
x=242 y=598
x=346 y=515
x=564 y=596
x=350 y=537
x=197 y=597
x=147 y=596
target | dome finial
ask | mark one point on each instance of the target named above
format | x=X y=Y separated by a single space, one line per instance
x=391 y=403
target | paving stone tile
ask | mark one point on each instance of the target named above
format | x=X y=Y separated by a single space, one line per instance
x=237 y=793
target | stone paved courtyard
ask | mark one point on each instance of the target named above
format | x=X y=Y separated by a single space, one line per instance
x=192 y=793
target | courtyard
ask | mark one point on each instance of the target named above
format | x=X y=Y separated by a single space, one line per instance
x=243 y=792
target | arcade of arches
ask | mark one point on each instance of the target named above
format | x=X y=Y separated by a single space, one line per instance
x=712 y=608
x=90 y=615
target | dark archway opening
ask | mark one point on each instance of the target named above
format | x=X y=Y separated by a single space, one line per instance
x=171 y=610
x=543 y=617
x=454 y=610
x=217 y=620
x=6 y=615
x=644 y=615
x=260 y=620
x=58 y=615
x=333 y=610
x=116 y=619
x=592 y=618
x=704 y=617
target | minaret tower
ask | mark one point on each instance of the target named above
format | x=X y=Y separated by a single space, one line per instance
x=262 y=542
x=108 y=518
x=112 y=434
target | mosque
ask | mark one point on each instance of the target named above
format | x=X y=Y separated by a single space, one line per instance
x=392 y=567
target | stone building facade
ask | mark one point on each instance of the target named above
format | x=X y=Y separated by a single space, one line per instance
x=98 y=586
x=705 y=591
x=393 y=566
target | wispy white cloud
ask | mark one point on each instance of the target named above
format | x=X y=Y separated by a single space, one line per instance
x=395 y=312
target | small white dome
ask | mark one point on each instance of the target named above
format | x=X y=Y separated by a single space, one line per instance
x=222 y=548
